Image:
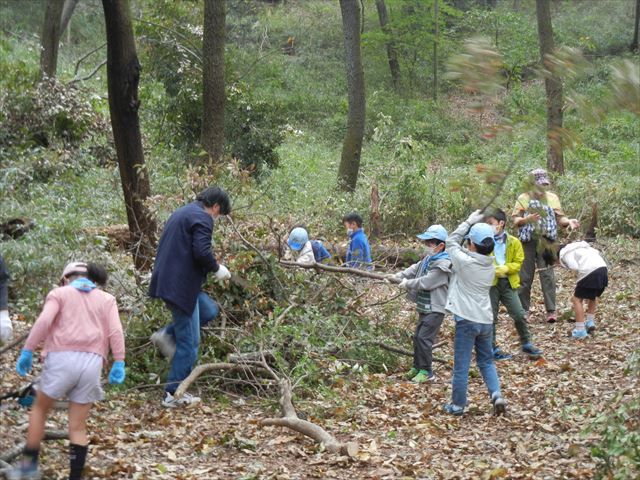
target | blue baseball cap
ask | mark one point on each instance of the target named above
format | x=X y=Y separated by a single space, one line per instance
x=479 y=232
x=297 y=238
x=434 y=232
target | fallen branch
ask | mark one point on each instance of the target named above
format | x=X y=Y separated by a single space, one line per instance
x=200 y=369
x=14 y=343
x=407 y=353
x=334 y=269
x=17 y=450
x=290 y=420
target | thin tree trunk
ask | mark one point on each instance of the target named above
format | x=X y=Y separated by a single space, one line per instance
x=123 y=74
x=392 y=54
x=50 y=38
x=67 y=12
x=516 y=5
x=436 y=39
x=213 y=95
x=352 y=146
x=553 y=87
x=634 y=44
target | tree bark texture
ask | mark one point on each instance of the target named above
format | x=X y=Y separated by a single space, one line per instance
x=50 y=38
x=553 y=88
x=213 y=95
x=392 y=53
x=67 y=12
x=123 y=74
x=352 y=145
x=634 y=44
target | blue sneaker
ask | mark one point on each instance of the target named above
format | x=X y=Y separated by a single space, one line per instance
x=532 y=351
x=500 y=355
x=579 y=333
x=454 y=410
x=590 y=325
x=25 y=471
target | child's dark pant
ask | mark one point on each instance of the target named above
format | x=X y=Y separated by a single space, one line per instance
x=424 y=338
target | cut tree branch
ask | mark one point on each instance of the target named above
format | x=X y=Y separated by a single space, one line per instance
x=290 y=420
x=84 y=57
x=206 y=367
x=348 y=270
x=17 y=450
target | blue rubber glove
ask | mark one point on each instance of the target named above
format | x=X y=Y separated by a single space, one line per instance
x=24 y=362
x=116 y=375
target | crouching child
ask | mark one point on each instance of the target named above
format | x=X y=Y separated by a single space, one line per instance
x=468 y=301
x=426 y=283
x=593 y=278
x=307 y=252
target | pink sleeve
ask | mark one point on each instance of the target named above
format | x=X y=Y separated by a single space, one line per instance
x=116 y=336
x=42 y=327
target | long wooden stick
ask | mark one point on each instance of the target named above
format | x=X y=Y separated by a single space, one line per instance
x=17 y=450
x=343 y=270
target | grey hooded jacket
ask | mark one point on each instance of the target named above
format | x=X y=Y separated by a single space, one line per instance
x=428 y=289
x=472 y=278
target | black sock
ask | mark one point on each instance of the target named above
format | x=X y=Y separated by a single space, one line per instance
x=31 y=455
x=77 y=457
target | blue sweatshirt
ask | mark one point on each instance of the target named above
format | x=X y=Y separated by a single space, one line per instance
x=359 y=252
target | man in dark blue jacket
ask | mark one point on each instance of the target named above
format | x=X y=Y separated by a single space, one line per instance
x=183 y=260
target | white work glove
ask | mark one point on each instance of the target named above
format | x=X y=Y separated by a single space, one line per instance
x=475 y=217
x=6 y=329
x=223 y=273
x=403 y=284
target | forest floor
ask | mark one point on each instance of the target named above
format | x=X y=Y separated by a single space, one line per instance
x=400 y=427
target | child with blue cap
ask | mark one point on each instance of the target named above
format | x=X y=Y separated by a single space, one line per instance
x=426 y=283
x=469 y=302
x=307 y=251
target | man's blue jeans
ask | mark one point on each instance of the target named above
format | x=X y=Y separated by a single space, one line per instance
x=185 y=329
x=468 y=335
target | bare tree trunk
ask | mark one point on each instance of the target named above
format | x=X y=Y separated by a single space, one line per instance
x=352 y=146
x=50 y=38
x=516 y=5
x=67 y=12
x=123 y=74
x=436 y=39
x=634 y=43
x=213 y=87
x=553 y=87
x=392 y=54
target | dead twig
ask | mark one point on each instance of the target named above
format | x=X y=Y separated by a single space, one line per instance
x=260 y=254
x=14 y=343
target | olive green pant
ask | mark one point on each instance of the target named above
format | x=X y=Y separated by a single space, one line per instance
x=503 y=292
x=533 y=259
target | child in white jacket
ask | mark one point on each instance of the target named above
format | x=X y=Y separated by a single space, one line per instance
x=592 y=280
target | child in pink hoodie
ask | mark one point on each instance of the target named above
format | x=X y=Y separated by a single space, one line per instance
x=78 y=325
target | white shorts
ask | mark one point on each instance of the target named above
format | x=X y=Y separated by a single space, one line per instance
x=75 y=375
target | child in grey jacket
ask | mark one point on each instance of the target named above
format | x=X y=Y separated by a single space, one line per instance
x=470 y=304
x=426 y=283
